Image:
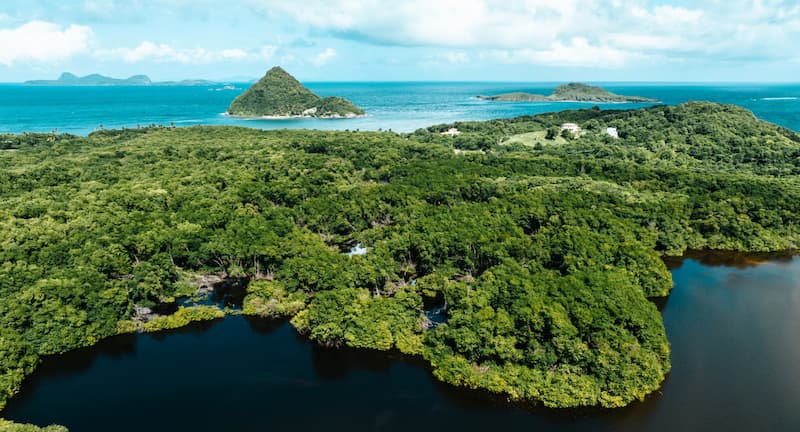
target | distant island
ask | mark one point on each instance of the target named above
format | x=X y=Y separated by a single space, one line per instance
x=96 y=80
x=572 y=92
x=279 y=95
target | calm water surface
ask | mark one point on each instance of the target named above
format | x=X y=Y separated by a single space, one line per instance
x=401 y=107
x=733 y=326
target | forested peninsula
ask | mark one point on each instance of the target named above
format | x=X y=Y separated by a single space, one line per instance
x=280 y=95
x=543 y=253
x=572 y=92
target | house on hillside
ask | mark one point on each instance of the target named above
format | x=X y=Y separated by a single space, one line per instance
x=612 y=132
x=572 y=127
x=453 y=132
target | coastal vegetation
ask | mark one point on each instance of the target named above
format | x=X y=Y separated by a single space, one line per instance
x=279 y=94
x=8 y=426
x=572 y=92
x=543 y=252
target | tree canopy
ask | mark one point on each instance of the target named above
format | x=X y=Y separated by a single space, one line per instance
x=542 y=253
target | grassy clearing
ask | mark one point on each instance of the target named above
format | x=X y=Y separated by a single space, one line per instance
x=534 y=139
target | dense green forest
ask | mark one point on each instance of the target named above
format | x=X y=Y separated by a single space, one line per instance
x=543 y=252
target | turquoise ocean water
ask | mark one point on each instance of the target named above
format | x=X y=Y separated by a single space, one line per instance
x=401 y=107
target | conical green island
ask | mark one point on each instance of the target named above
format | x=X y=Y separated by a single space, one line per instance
x=278 y=94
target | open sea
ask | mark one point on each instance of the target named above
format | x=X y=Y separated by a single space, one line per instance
x=402 y=107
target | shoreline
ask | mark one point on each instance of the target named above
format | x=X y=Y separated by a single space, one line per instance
x=295 y=117
x=729 y=258
x=196 y=314
x=759 y=259
x=489 y=99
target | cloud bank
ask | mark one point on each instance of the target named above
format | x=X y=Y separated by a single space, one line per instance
x=594 y=33
x=324 y=57
x=446 y=37
x=165 y=53
x=40 y=41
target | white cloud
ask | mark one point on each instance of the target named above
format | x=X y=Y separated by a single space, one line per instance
x=234 y=54
x=267 y=52
x=286 y=59
x=103 y=8
x=577 y=53
x=324 y=57
x=640 y=42
x=42 y=42
x=456 y=57
x=551 y=31
x=446 y=57
x=165 y=53
x=136 y=11
x=424 y=22
x=159 y=53
x=671 y=15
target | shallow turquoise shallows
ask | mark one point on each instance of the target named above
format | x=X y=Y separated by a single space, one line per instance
x=401 y=107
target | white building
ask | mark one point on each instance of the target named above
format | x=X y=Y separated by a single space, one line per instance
x=452 y=132
x=612 y=132
x=357 y=250
x=572 y=127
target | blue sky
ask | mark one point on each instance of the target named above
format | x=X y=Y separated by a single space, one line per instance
x=395 y=40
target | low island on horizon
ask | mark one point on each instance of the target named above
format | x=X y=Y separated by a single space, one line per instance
x=68 y=79
x=572 y=92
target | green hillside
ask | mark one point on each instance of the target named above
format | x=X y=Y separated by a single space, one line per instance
x=586 y=93
x=572 y=92
x=279 y=94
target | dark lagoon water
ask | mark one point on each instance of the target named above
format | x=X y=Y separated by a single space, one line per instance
x=733 y=324
x=401 y=107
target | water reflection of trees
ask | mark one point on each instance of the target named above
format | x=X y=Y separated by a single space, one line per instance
x=82 y=359
x=194 y=328
x=740 y=260
x=264 y=326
